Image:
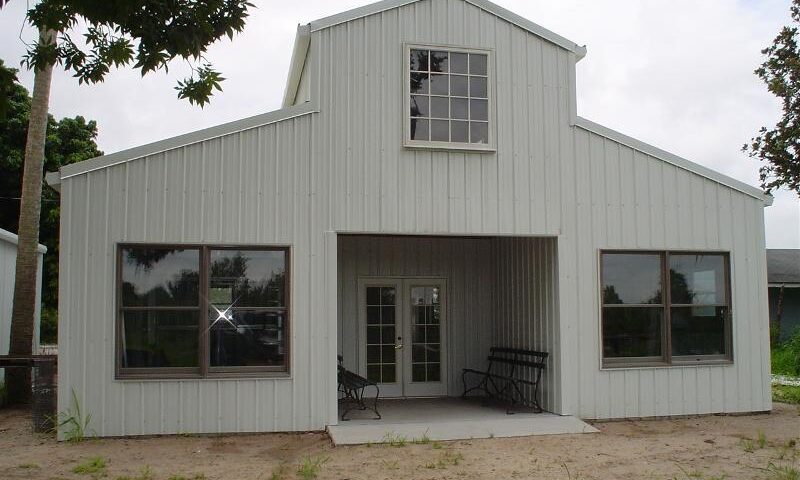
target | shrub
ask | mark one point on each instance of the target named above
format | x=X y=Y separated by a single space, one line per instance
x=786 y=356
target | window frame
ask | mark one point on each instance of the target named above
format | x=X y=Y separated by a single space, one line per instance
x=667 y=359
x=204 y=370
x=491 y=145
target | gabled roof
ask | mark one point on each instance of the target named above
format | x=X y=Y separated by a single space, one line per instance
x=673 y=159
x=783 y=266
x=304 y=32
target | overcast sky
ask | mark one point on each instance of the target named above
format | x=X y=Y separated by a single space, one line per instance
x=676 y=74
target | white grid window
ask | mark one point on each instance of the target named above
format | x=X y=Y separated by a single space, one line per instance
x=448 y=97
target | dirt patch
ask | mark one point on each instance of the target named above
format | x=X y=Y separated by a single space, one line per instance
x=708 y=447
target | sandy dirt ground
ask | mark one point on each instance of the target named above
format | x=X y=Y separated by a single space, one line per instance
x=691 y=448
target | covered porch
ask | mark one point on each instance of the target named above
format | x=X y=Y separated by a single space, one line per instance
x=414 y=311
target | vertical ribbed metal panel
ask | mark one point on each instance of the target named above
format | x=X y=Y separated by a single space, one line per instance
x=525 y=312
x=345 y=170
x=250 y=187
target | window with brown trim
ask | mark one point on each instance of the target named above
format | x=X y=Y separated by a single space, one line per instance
x=664 y=308
x=197 y=311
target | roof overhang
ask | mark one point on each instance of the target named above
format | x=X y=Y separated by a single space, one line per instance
x=13 y=239
x=302 y=40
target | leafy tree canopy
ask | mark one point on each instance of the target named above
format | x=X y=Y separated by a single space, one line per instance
x=146 y=33
x=779 y=148
x=69 y=140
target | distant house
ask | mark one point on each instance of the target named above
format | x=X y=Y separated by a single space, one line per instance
x=783 y=275
x=8 y=264
x=426 y=192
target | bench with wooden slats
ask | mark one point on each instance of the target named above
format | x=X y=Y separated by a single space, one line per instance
x=505 y=379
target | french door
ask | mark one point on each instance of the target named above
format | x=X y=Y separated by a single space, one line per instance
x=402 y=335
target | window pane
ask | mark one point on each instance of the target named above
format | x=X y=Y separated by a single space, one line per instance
x=632 y=331
x=440 y=107
x=631 y=278
x=479 y=132
x=697 y=279
x=439 y=84
x=247 y=338
x=419 y=60
x=477 y=64
x=419 y=83
x=459 y=131
x=420 y=106
x=479 y=109
x=459 y=108
x=439 y=61
x=698 y=330
x=159 y=339
x=458 y=86
x=160 y=277
x=247 y=278
x=477 y=87
x=458 y=62
x=440 y=130
x=419 y=129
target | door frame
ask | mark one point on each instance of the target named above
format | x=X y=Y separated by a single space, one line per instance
x=403 y=284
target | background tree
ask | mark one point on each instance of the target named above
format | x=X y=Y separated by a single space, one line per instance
x=68 y=140
x=779 y=148
x=147 y=34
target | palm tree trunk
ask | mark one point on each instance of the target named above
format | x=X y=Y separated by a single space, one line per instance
x=22 y=316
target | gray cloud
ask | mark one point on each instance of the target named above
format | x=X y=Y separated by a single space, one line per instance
x=676 y=74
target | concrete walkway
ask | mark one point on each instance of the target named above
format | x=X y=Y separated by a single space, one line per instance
x=448 y=419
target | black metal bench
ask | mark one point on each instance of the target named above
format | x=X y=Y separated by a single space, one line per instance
x=505 y=379
x=353 y=386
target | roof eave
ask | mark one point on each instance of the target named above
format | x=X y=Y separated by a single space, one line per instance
x=674 y=160
x=486 y=5
x=302 y=40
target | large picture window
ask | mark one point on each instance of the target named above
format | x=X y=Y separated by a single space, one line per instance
x=665 y=308
x=448 y=96
x=202 y=311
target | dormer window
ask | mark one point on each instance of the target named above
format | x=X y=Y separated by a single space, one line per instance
x=448 y=95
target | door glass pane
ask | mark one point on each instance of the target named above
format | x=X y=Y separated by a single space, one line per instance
x=381 y=354
x=426 y=330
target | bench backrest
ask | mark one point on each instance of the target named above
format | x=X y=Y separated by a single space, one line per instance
x=517 y=357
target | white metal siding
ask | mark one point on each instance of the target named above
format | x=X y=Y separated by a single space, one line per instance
x=344 y=170
x=8 y=264
x=526 y=305
x=247 y=188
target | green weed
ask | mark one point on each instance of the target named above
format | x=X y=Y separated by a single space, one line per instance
x=394 y=440
x=95 y=466
x=762 y=439
x=146 y=474
x=279 y=472
x=748 y=445
x=783 y=472
x=74 y=422
x=196 y=476
x=310 y=467
x=786 y=394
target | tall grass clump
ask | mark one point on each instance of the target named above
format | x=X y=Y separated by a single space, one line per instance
x=786 y=356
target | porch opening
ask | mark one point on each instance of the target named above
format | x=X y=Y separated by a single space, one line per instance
x=414 y=311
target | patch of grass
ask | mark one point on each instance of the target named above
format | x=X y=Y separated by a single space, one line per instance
x=786 y=394
x=445 y=459
x=762 y=439
x=278 y=473
x=95 y=466
x=783 y=472
x=394 y=440
x=437 y=445
x=423 y=440
x=74 y=422
x=697 y=475
x=310 y=467
x=390 y=465
x=748 y=445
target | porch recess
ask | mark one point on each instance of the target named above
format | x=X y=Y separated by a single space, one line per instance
x=496 y=291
